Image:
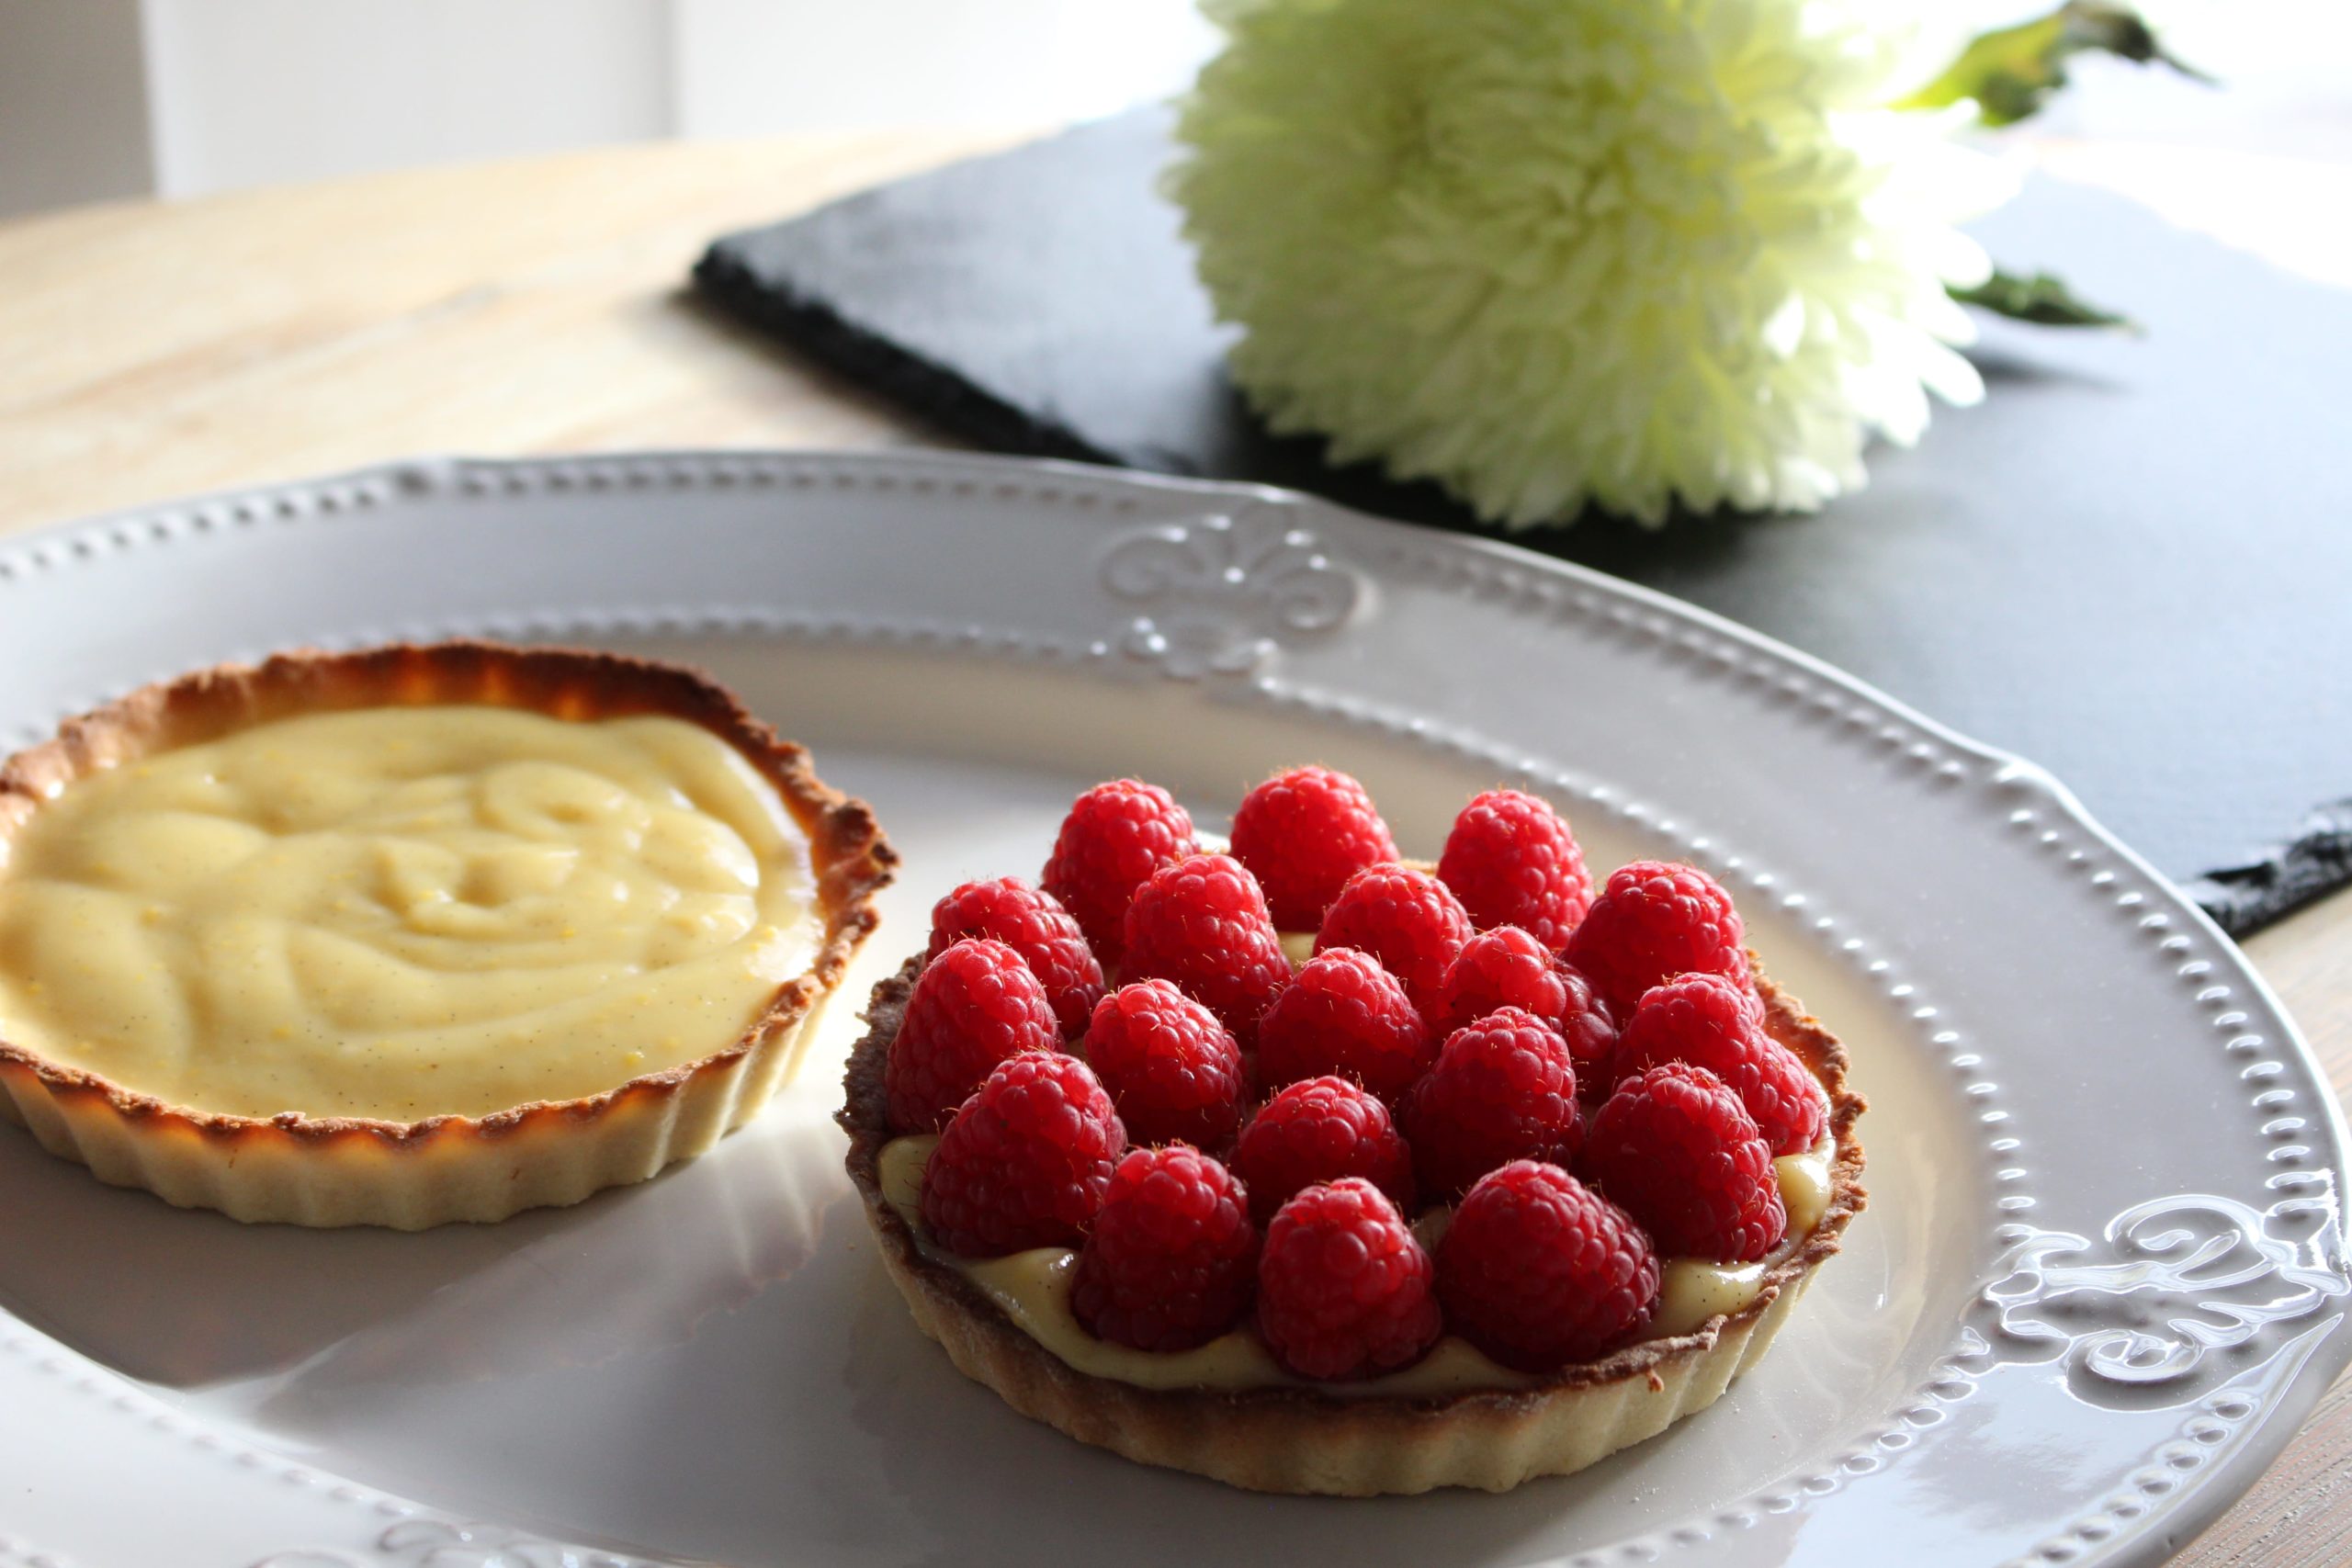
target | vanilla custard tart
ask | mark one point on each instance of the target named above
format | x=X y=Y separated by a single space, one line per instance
x=415 y=935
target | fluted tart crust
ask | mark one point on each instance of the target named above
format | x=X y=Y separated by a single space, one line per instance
x=329 y=1170
x=1294 y=1439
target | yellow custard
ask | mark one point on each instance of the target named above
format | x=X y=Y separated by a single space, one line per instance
x=402 y=912
x=1033 y=1289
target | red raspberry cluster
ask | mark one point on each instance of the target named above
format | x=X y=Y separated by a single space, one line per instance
x=1588 y=1080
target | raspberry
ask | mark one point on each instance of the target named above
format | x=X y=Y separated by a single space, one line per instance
x=1343 y=1288
x=1117 y=834
x=1538 y=1270
x=1321 y=1130
x=1025 y=1162
x=1677 y=1149
x=972 y=1006
x=1504 y=1089
x=1507 y=967
x=1656 y=920
x=1502 y=967
x=1171 y=1067
x=1407 y=919
x=1590 y=1030
x=1345 y=1015
x=1303 y=833
x=1172 y=1259
x=1203 y=923
x=1512 y=861
x=1717 y=1024
x=1034 y=925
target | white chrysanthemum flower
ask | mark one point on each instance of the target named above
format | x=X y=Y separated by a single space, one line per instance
x=1553 y=252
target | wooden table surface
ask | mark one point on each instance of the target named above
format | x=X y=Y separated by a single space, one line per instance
x=150 y=350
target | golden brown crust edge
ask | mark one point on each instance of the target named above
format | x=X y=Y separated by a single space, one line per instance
x=1291 y=1440
x=353 y=1170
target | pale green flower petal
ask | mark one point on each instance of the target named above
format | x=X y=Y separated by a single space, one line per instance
x=1559 y=252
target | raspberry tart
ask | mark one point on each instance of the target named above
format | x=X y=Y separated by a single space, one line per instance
x=1475 y=1173
x=415 y=935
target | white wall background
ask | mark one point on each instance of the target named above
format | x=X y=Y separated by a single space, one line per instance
x=244 y=91
x=181 y=98
x=746 y=67
x=112 y=97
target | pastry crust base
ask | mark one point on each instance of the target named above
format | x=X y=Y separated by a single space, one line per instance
x=353 y=1170
x=1306 y=1440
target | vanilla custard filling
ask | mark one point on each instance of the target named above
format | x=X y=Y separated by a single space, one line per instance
x=1032 y=1288
x=403 y=912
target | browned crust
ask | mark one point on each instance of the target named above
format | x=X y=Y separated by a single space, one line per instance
x=852 y=860
x=1175 y=1426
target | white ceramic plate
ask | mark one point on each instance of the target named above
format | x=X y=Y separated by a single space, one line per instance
x=2100 y=1282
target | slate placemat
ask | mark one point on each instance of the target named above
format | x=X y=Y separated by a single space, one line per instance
x=2131 y=563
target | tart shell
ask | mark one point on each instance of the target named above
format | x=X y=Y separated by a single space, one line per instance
x=1306 y=1440
x=408 y=1176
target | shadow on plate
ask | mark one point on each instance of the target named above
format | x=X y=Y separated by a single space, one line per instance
x=934 y=1424
x=185 y=1299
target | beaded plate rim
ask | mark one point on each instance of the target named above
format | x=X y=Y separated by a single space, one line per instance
x=1216 y=595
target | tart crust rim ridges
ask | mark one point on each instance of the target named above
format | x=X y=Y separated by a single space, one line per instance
x=1290 y=1439
x=190 y=1157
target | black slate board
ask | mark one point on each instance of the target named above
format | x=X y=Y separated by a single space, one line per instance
x=2131 y=563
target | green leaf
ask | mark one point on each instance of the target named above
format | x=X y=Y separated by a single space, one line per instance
x=2042 y=299
x=2012 y=72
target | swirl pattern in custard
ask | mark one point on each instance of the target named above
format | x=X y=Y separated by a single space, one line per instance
x=403 y=912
